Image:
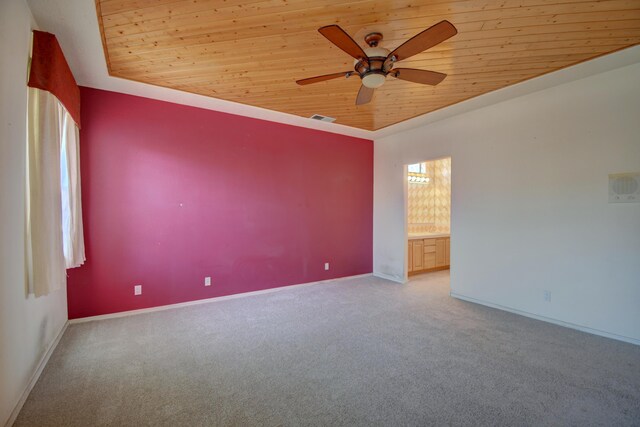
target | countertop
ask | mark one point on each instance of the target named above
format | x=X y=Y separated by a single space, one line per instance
x=415 y=236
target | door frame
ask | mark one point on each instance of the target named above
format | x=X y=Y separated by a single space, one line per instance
x=405 y=217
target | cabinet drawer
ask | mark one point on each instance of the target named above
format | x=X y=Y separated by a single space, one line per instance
x=429 y=260
x=429 y=249
x=429 y=242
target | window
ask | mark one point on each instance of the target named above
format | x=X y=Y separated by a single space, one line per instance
x=54 y=235
x=418 y=168
x=417 y=173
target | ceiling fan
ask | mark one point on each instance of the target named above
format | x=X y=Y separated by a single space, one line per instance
x=375 y=63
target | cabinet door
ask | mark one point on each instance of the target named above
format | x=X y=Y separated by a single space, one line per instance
x=440 y=249
x=429 y=260
x=410 y=258
x=447 y=252
x=418 y=248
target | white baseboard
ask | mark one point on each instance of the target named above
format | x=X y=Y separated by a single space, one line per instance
x=388 y=277
x=36 y=374
x=208 y=300
x=549 y=320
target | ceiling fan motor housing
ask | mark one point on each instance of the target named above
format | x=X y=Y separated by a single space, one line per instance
x=374 y=71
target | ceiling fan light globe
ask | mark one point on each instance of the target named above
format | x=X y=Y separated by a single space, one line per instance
x=376 y=52
x=373 y=80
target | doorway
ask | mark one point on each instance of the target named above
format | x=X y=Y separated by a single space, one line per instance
x=428 y=216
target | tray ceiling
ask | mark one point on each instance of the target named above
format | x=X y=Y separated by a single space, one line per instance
x=252 y=51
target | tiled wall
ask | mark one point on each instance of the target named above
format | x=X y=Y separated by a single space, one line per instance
x=429 y=204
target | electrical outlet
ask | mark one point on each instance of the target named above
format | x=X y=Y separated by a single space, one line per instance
x=547 y=296
x=207 y=281
x=137 y=290
x=326 y=265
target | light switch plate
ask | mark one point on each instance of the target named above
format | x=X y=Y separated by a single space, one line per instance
x=137 y=290
x=624 y=187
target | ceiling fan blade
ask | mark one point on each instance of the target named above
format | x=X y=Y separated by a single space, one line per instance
x=418 y=76
x=340 y=38
x=428 y=38
x=364 y=95
x=323 y=78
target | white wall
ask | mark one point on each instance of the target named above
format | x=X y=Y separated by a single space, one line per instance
x=529 y=202
x=27 y=325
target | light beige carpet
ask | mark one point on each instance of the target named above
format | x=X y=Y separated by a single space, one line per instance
x=359 y=352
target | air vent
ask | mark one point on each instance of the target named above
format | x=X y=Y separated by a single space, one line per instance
x=323 y=118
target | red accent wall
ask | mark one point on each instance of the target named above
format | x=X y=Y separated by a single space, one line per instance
x=173 y=193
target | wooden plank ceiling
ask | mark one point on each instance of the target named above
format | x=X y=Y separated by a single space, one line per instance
x=252 y=51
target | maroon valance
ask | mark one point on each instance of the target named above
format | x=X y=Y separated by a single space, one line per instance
x=50 y=72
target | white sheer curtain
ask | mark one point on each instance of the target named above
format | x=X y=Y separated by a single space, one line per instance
x=72 y=230
x=54 y=218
